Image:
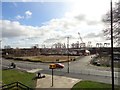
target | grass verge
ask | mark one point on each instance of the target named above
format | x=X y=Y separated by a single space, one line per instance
x=91 y=85
x=9 y=76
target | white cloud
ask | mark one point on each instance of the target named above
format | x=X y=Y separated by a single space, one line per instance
x=84 y=17
x=28 y=14
x=15 y=29
x=55 y=30
x=19 y=17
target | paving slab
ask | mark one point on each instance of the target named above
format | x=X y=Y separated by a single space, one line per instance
x=58 y=82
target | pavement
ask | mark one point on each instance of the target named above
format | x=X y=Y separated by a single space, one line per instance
x=80 y=69
x=58 y=82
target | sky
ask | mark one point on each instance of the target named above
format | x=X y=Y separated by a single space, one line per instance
x=25 y=23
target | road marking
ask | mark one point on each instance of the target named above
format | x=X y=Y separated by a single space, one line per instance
x=34 y=70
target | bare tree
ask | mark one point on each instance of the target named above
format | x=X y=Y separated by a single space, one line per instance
x=7 y=47
x=116 y=24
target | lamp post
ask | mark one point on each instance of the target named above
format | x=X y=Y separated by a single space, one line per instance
x=112 y=56
x=68 y=51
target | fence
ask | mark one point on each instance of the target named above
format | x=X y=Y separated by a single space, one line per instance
x=16 y=86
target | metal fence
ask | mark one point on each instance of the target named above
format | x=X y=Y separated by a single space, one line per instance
x=16 y=86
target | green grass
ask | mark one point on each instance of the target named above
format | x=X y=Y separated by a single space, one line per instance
x=0 y=77
x=92 y=85
x=9 y=76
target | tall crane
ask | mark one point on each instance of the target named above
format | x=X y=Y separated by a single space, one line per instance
x=82 y=44
x=80 y=37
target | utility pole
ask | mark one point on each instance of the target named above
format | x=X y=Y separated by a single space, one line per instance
x=68 y=51
x=112 y=56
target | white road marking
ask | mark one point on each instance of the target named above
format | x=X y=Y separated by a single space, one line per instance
x=34 y=70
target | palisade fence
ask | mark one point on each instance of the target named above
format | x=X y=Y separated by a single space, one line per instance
x=16 y=86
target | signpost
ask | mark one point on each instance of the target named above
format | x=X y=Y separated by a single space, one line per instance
x=52 y=66
x=55 y=66
x=52 y=77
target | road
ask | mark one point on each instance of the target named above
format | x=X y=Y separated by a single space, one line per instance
x=78 y=69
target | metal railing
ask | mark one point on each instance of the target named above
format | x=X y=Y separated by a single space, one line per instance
x=16 y=86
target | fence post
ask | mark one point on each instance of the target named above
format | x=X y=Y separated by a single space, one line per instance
x=17 y=85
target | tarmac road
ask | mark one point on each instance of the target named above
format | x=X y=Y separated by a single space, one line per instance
x=78 y=69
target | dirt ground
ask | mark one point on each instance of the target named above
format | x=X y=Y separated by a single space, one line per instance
x=50 y=58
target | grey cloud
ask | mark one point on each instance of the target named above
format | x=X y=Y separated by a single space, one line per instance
x=70 y=36
x=92 y=22
x=51 y=40
x=58 y=38
x=80 y=17
x=93 y=35
x=15 y=29
x=11 y=29
x=11 y=33
x=29 y=38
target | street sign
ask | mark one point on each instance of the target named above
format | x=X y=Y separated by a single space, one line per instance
x=52 y=66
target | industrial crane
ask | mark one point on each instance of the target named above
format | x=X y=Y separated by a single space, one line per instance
x=82 y=44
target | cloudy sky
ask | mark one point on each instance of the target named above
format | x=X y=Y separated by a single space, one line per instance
x=26 y=23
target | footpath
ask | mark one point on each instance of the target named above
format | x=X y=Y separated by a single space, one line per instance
x=58 y=82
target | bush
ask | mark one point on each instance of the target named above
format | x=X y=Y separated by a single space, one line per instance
x=74 y=59
x=8 y=57
x=94 y=63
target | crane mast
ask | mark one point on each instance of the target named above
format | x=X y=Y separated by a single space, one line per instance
x=82 y=44
x=80 y=37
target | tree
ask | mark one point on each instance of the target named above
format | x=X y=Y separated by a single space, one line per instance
x=116 y=24
x=35 y=46
x=7 y=47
